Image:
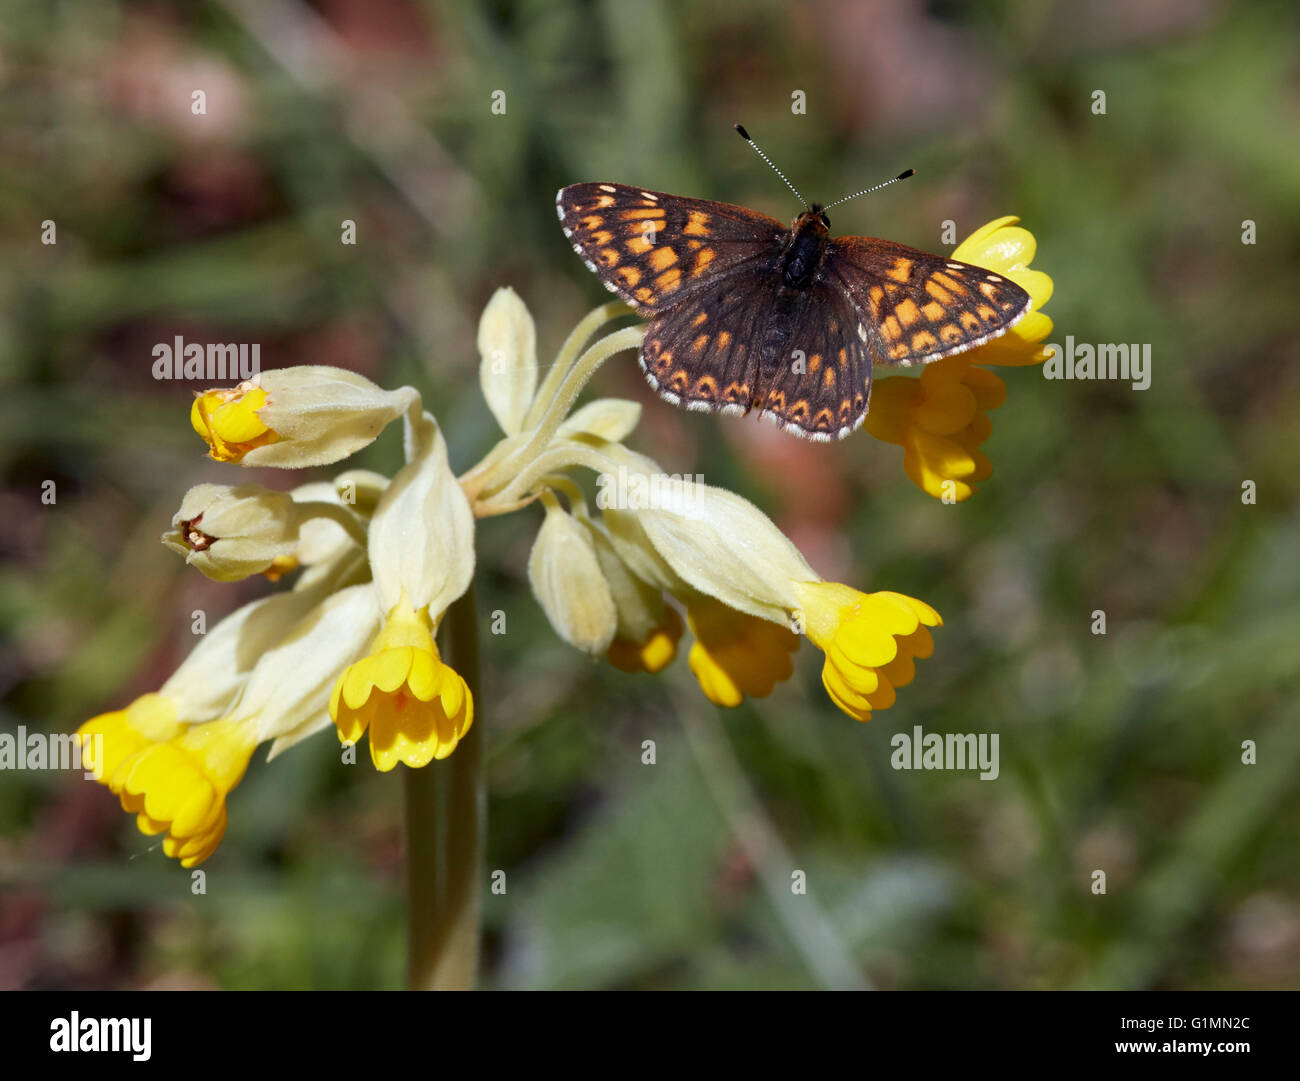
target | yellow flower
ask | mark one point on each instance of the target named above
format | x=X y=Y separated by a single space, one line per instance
x=737 y=655
x=940 y=420
x=654 y=653
x=415 y=707
x=179 y=786
x=871 y=641
x=228 y=421
x=150 y=719
x=296 y=417
x=1007 y=249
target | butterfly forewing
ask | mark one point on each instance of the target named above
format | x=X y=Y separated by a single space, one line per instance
x=657 y=250
x=917 y=307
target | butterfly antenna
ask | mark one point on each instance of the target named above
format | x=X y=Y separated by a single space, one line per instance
x=868 y=191
x=745 y=135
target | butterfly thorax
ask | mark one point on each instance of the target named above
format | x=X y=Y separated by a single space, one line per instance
x=809 y=234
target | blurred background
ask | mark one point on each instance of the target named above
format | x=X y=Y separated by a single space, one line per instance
x=1119 y=752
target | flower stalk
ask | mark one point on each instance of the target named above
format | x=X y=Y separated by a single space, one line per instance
x=445 y=806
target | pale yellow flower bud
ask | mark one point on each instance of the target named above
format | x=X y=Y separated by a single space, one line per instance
x=229 y=533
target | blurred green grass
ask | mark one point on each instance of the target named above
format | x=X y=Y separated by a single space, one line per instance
x=1120 y=752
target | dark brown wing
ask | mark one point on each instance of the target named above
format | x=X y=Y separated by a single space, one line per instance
x=704 y=353
x=917 y=307
x=657 y=250
x=816 y=382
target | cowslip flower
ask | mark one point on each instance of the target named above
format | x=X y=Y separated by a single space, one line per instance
x=173 y=756
x=749 y=594
x=941 y=418
x=296 y=417
x=374 y=564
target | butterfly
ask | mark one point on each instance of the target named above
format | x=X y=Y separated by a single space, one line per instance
x=747 y=314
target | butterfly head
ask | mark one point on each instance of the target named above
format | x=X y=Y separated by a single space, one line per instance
x=814 y=218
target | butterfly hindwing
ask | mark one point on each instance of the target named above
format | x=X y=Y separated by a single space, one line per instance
x=704 y=353
x=917 y=307
x=819 y=383
x=657 y=250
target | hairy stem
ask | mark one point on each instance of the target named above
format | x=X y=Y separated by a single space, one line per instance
x=446 y=813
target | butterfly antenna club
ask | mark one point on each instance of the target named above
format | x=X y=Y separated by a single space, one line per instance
x=867 y=191
x=745 y=135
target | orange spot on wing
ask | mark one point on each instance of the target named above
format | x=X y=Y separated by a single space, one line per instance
x=901 y=271
x=907 y=312
x=697 y=224
x=662 y=258
x=669 y=280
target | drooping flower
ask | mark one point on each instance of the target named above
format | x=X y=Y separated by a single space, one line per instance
x=414 y=707
x=737 y=656
x=871 y=642
x=746 y=586
x=179 y=786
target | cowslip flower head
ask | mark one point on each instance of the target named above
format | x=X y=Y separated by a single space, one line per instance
x=173 y=768
x=414 y=707
x=737 y=656
x=747 y=591
x=941 y=419
x=871 y=642
x=296 y=417
x=350 y=645
x=179 y=786
x=149 y=719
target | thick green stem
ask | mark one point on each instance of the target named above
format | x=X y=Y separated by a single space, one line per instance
x=446 y=814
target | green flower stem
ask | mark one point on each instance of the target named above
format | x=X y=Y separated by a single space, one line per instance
x=446 y=814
